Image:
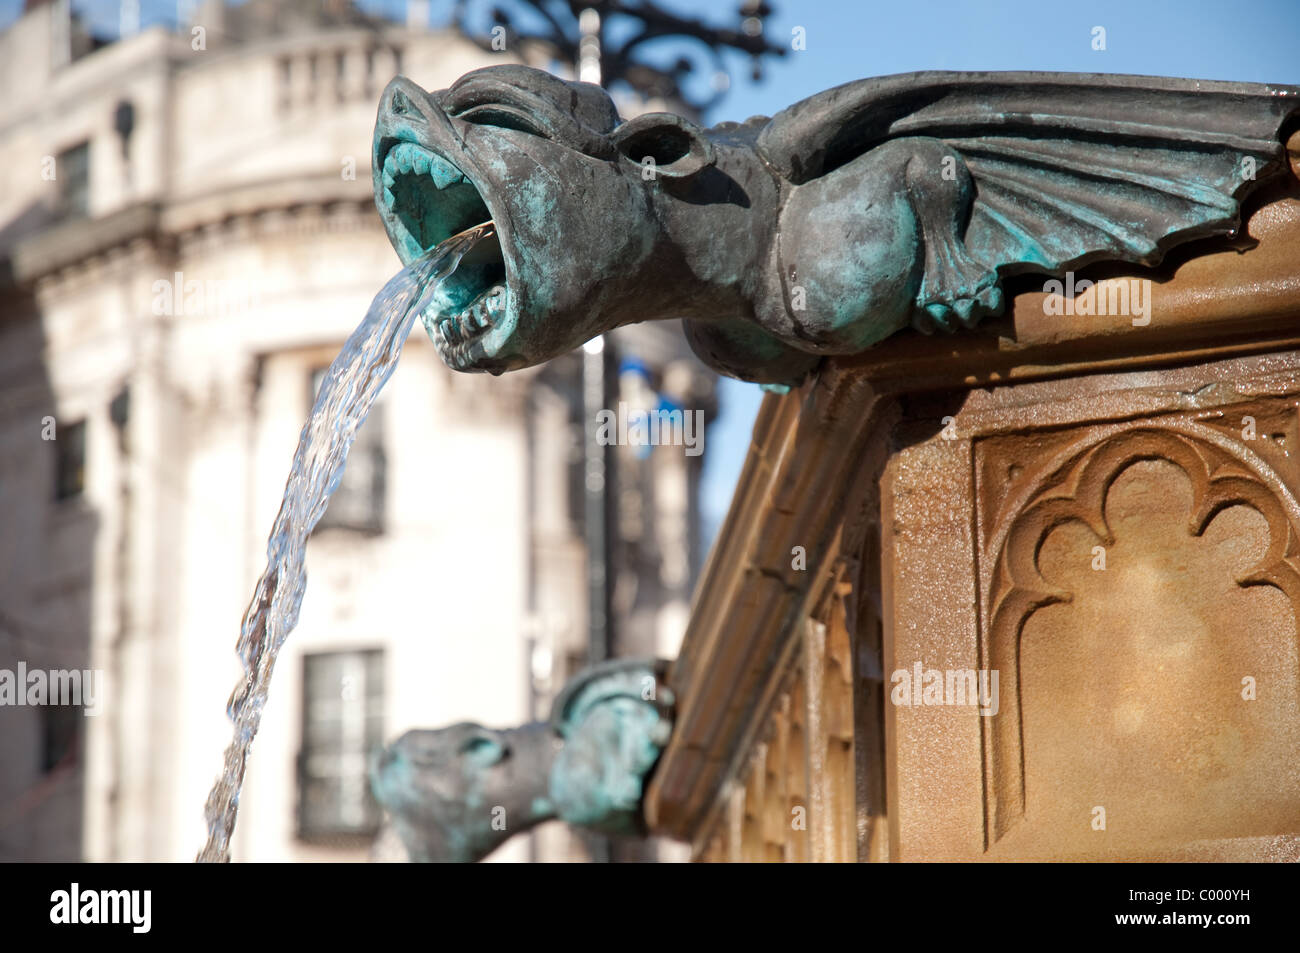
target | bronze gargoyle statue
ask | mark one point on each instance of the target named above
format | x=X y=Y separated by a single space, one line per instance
x=457 y=793
x=905 y=200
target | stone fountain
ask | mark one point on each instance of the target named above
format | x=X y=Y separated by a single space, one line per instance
x=905 y=202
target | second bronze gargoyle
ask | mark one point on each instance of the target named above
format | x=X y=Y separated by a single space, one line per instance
x=455 y=794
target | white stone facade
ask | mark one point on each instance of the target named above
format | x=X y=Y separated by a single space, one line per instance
x=245 y=184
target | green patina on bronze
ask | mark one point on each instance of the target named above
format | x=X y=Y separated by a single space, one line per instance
x=458 y=793
x=872 y=207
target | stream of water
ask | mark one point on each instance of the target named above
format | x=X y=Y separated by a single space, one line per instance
x=346 y=395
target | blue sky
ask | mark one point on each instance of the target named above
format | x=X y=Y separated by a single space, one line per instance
x=1253 y=40
x=851 y=39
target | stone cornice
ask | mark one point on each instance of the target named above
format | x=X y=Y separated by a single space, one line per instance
x=76 y=242
x=751 y=598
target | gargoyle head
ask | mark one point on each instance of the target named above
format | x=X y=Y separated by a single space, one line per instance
x=580 y=201
x=457 y=793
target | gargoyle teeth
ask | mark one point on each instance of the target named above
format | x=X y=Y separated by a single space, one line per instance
x=409 y=158
x=454 y=334
x=444 y=173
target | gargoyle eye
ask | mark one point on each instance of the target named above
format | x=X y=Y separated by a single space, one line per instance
x=484 y=748
x=502 y=117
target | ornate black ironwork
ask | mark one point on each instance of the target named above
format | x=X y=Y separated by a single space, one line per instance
x=579 y=33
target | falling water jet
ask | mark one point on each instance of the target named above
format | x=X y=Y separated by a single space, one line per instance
x=350 y=387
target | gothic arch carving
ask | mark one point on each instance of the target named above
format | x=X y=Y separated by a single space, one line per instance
x=1072 y=486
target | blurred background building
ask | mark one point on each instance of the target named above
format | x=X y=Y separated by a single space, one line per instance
x=187 y=236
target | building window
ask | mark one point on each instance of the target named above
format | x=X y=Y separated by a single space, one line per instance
x=60 y=728
x=342 y=724
x=358 y=501
x=72 y=171
x=70 y=460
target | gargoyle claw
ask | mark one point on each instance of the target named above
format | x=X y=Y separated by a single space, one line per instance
x=933 y=317
x=965 y=307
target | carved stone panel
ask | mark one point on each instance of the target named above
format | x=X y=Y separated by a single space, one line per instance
x=1123 y=553
x=1142 y=585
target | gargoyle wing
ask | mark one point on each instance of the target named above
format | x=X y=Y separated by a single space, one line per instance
x=1068 y=168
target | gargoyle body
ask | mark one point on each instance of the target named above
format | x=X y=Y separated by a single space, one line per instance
x=457 y=793
x=874 y=206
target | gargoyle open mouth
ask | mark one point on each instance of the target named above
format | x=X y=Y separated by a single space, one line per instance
x=428 y=199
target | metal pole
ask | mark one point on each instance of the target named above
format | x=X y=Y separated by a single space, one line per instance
x=599 y=478
x=598 y=500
